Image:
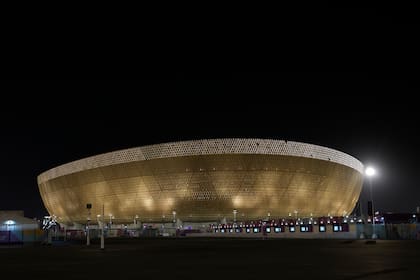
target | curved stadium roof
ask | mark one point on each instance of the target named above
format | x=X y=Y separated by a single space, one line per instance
x=205 y=147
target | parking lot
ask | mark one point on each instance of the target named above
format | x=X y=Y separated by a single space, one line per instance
x=216 y=258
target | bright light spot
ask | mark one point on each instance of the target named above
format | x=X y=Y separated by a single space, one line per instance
x=237 y=201
x=9 y=222
x=370 y=171
x=148 y=203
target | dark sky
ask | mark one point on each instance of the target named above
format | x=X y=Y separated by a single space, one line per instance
x=345 y=82
x=369 y=116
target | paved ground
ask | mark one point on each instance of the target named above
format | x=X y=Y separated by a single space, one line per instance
x=200 y=258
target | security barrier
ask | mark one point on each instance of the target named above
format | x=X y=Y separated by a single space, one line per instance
x=21 y=236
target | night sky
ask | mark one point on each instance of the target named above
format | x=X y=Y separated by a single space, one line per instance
x=350 y=112
x=357 y=96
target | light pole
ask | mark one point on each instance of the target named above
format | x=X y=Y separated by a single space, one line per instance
x=234 y=216
x=101 y=222
x=88 y=206
x=174 y=217
x=370 y=172
x=110 y=221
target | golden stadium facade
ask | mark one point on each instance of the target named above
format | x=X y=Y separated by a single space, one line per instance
x=205 y=180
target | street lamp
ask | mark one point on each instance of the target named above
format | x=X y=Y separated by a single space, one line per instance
x=101 y=222
x=371 y=172
x=110 y=220
x=88 y=207
x=174 y=217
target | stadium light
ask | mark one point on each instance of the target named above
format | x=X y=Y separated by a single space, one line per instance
x=370 y=173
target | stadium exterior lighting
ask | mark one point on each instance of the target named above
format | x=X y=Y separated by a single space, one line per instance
x=370 y=173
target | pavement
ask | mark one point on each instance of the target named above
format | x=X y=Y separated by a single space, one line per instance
x=214 y=258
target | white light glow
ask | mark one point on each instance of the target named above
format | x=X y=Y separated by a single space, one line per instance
x=9 y=222
x=370 y=171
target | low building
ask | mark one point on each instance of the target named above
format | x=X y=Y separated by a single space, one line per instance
x=15 y=220
x=16 y=228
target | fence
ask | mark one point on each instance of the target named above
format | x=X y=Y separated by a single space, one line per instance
x=387 y=231
x=391 y=231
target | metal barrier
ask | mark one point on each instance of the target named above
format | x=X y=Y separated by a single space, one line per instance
x=21 y=236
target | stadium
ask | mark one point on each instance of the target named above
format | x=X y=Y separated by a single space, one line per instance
x=204 y=181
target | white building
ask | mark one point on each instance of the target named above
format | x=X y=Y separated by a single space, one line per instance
x=16 y=221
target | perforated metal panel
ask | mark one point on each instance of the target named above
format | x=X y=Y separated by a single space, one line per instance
x=205 y=147
x=204 y=181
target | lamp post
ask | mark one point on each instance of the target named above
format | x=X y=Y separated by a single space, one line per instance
x=88 y=207
x=174 y=217
x=135 y=220
x=110 y=221
x=87 y=232
x=102 y=227
x=370 y=172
